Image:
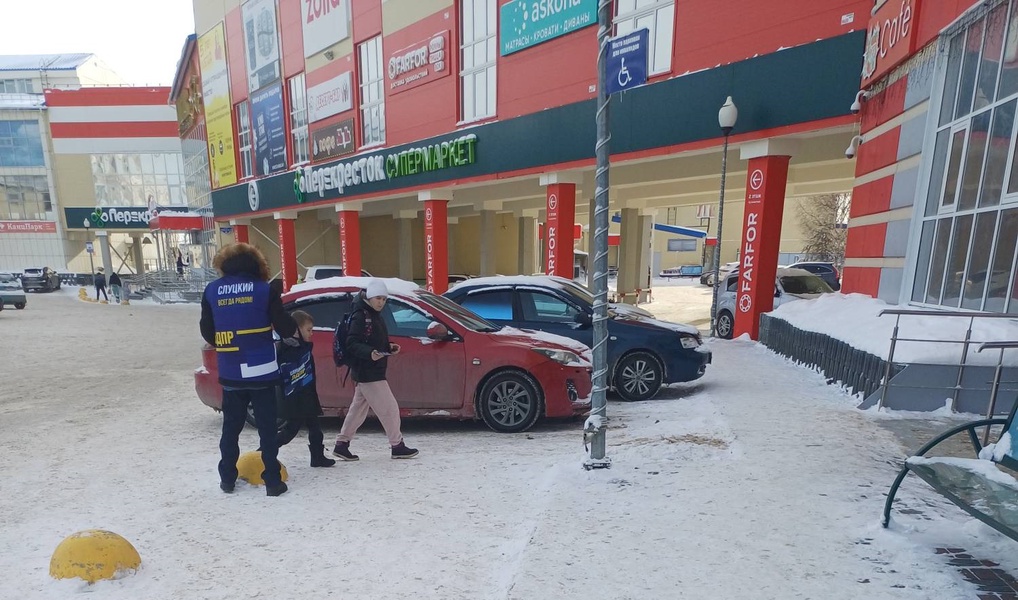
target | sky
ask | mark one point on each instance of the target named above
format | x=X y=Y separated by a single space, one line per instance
x=139 y=39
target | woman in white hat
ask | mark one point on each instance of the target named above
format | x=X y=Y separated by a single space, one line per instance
x=369 y=348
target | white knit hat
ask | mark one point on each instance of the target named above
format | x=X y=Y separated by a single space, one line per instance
x=376 y=287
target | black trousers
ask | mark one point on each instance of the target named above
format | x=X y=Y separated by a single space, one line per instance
x=293 y=427
x=235 y=403
x=101 y=288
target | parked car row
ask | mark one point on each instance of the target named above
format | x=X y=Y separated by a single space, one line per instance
x=488 y=340
x=790 y=284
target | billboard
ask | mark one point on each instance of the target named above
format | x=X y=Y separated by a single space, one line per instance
x=261 y=42
x=324 y=23
x=268 y=124
x=419 y=63
x=215 y=89
x=330 y=97
x=332 y=141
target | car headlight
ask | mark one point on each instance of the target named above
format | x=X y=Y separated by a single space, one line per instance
x=689 y=342
x=562 y=357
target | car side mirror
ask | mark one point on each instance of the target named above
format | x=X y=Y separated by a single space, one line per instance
x=583 y=319
x=438 y=332
x=777 y=293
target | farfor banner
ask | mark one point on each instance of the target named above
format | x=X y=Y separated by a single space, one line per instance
x=325 y=22
x=261 y=41
x=215 y=88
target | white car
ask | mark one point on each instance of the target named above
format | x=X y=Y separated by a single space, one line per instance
x=326 y=271
x=791 y=284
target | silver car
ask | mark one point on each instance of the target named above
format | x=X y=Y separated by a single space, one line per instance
x=11 y=293
x=791 y=284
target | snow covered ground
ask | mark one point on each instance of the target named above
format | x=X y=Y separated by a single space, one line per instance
x=758 y=481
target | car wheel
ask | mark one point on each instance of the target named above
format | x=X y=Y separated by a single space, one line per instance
x=510 y=402
x=638 y=376
x=250 y=418
x=19 y=305
x=725 y=325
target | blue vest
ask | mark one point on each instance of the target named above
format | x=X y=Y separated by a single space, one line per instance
x=244 y=347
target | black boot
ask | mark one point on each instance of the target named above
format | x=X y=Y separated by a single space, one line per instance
x=318 y=458
x=275 y=490
x=400 y=450
x=342 y=450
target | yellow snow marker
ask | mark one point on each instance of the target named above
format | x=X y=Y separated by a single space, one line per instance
x=250 y=467
x=92 y=555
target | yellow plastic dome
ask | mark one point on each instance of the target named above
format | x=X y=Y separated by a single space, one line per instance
x=92 y=555
x=250 y=467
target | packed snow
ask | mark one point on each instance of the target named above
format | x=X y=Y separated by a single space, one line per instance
x=758 y=481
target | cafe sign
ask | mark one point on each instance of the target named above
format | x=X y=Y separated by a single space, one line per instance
x=891 y=39
x=333 y=141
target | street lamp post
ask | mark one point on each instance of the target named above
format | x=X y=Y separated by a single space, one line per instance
x=91 y=263
x=726 y=119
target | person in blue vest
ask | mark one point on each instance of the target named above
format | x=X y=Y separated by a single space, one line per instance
x=238 y=313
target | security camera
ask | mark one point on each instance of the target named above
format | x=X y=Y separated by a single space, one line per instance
x=853 y=146
x=860 y=97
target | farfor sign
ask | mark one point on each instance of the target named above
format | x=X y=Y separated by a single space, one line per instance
x=324 y=22
x=419 y=63
x=330 y=97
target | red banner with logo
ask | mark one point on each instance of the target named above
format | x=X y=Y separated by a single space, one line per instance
x=892 y=37
x=559 y=230
x=436 y=245
x=28 y=227
x=350 y=242
x=761 y=239
x=287 y=252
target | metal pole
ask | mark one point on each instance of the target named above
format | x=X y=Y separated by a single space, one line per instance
x=717 y=246
x=91 y=263
x=597 y=424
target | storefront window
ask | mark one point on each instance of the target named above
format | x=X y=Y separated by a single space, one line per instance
x=477 y=79
x=299 y=119
x=369 y=65
x=245 y=141
x=658 y=16
x=966 y=251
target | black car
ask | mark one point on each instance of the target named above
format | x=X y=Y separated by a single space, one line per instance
x=824 y=270
x=643 y=352
x=38 y=279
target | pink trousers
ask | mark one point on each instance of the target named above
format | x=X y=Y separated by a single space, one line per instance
x=378 y=397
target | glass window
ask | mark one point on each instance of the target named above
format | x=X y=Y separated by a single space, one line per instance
x=974 y=155
x=539 y=306
x=951 y=80
x=244 y=138
x=25 y=197
x=938 y=261
x=953 y=168
x=996 y=154
x=369 y=66
x=20 y=144
x=969 y=64
x=404 y=320
x=993 y=42
x=955 y=275
x=299 y=119
x=658 y=16
x=1009 y=64
x=679 y=245
x=976 y=272
x=496 y=305
x=478 y=52
x=923 y=264
x=326 y=312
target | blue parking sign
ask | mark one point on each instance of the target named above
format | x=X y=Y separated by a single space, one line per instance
x=627 y=61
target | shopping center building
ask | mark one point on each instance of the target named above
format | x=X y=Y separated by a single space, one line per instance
x=413 y=138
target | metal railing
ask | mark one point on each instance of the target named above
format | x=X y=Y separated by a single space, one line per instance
x=965 y=344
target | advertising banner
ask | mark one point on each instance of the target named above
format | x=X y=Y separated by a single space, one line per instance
x=330 y=97
x=526 y=23
x=325 y=22
x=113 y=217
x=261 y=41
x=268 y=124
x=333 y=141
x=215 y=89
x=28 y=227
x=420 y=63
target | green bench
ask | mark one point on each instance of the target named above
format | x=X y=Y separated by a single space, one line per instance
x=982 y=486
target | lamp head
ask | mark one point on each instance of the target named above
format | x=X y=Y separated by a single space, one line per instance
x=86 y=223
x=727 y=116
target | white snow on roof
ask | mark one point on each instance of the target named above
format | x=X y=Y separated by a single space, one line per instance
x=547 y=280
x=395 y=286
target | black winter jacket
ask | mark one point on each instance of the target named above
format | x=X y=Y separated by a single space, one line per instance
x=115 y=279
x=367 y=333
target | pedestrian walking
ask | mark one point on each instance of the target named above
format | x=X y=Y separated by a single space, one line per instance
x=180 y=265
x=238 y=314
x=116 y=286
x=299 y=402
x=100 y=284
x=369 y=348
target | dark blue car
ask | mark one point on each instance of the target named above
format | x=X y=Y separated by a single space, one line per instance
x=643 y=352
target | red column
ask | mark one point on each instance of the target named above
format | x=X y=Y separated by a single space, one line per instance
x=240 y=234
x=761 y=239
x=558 y=229
x=436 y=245
x=287 y=252
x=350 y=242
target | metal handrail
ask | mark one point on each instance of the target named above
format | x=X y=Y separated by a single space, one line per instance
x=998 y=345
x=971 y=316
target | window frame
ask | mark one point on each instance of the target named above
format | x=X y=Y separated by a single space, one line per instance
x=298 y=120
x=364 y=86
x=469 y=41
x=243 y=112
x=634 y=15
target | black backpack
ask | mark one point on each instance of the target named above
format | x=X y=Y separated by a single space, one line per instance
x=339 y=354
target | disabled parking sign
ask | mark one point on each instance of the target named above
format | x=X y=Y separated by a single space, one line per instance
x=627 y=61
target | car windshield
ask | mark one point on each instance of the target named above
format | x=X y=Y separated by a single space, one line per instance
x=804 y=284
x=326 y=273
x=459 y=314
x=33 y=271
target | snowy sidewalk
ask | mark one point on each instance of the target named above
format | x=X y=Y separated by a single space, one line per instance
x=758 y=482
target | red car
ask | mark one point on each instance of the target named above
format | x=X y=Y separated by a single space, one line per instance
x=452 y=363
